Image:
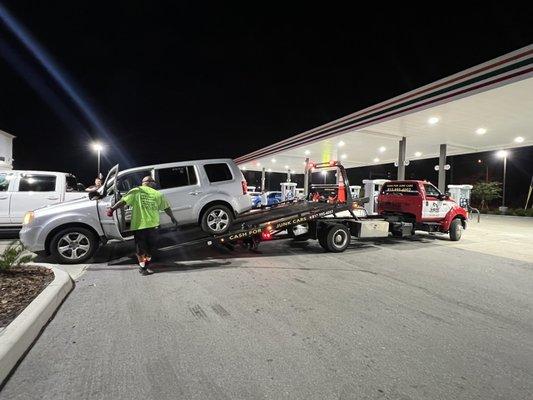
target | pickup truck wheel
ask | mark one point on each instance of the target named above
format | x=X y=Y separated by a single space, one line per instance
x=73 y=245
x=217 y=220
x=456 y=230
x=338 y=238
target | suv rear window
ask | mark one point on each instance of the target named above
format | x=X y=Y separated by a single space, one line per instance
x=37 y=183
x=176 y=177
x=218 y=172
x=400 y=188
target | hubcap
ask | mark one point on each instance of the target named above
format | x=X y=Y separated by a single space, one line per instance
x=340 y=238
x=217 y=220
x=73 y=245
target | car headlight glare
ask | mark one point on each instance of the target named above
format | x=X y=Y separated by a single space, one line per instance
x=28 y=217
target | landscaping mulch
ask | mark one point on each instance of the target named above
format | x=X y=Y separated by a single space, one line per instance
x=18 y=287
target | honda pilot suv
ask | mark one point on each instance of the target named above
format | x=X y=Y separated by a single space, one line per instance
x=210 y=193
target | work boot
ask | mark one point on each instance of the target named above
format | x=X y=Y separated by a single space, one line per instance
x=145 y=271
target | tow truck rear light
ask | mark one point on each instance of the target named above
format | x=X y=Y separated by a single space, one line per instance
x=244 y=187
x=265 y=235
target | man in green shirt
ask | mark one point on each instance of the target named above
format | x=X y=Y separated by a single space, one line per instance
x=146 y=204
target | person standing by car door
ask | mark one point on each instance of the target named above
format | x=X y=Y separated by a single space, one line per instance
x=146 y=203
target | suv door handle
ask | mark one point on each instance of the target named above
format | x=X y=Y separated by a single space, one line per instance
x=53 y=197
x=3 y=197
x=195 y=193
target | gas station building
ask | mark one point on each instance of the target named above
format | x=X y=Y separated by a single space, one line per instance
x=484 y=108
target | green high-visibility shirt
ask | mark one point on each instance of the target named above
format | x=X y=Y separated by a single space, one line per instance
x=146 y=203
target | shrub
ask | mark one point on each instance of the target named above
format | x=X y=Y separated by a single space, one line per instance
x=529 y=212
x=520 y=212
x=485 y=192
x=14 y=255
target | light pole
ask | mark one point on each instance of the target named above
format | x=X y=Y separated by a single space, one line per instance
x=98 y=147
x=481 y=162
x=503 y=154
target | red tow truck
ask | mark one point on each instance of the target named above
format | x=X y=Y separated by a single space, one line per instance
x=331 y=216
x=418 y=205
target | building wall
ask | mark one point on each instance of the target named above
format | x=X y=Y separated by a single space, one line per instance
x=6 y=150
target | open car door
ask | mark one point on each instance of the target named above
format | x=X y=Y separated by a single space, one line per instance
x=112 y=226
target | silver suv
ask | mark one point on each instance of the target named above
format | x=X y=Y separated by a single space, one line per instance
x=210 y=193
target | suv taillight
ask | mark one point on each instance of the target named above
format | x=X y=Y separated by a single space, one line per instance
x=244 y=187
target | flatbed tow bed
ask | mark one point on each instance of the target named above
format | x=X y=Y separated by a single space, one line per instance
x=271 y=224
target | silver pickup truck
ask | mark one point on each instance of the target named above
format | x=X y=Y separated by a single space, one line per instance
x=210 y=193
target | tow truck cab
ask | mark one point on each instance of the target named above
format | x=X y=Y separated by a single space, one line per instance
x=410 y=205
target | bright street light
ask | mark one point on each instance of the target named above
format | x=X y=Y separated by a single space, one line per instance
x=503 y=154
x=98 y=147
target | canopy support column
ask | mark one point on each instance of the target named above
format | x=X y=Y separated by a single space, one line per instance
x=263 y=178
x=306 y=178
x=401 y=159
x=442 y=170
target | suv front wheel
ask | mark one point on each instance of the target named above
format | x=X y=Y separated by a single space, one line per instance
x=216 y=220
x=73 y=245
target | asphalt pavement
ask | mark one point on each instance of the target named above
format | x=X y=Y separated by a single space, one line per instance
x=393 y=319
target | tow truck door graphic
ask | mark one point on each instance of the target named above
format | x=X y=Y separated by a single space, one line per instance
x=433 y=207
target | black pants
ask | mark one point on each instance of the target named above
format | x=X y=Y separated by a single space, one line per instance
x=145 y=241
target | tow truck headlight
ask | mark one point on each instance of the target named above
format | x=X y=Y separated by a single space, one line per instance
x=28 y=217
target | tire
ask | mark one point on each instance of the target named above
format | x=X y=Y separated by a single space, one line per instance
x=322 y=234
x=456 y=230
x=73 y=245
x=216 y=220
x=338 y=238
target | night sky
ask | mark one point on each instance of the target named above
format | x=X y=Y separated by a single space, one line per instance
x=170 y=81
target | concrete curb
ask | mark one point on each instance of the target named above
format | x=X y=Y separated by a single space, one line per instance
x=19 y=335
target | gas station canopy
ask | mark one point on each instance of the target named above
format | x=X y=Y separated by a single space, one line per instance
x=487 y=107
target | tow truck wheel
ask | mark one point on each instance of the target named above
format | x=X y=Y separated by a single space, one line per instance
x=338 y=238
x=73 y=245
x=217 y=219
x=322 y=239
x=456 y=230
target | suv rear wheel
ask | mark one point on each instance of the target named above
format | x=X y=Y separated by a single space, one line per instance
x=73 y=245
x=217 y=219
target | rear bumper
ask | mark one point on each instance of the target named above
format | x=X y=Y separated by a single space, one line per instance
x=242 y=204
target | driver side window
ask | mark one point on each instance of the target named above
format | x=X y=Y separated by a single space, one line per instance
x=431 y=190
